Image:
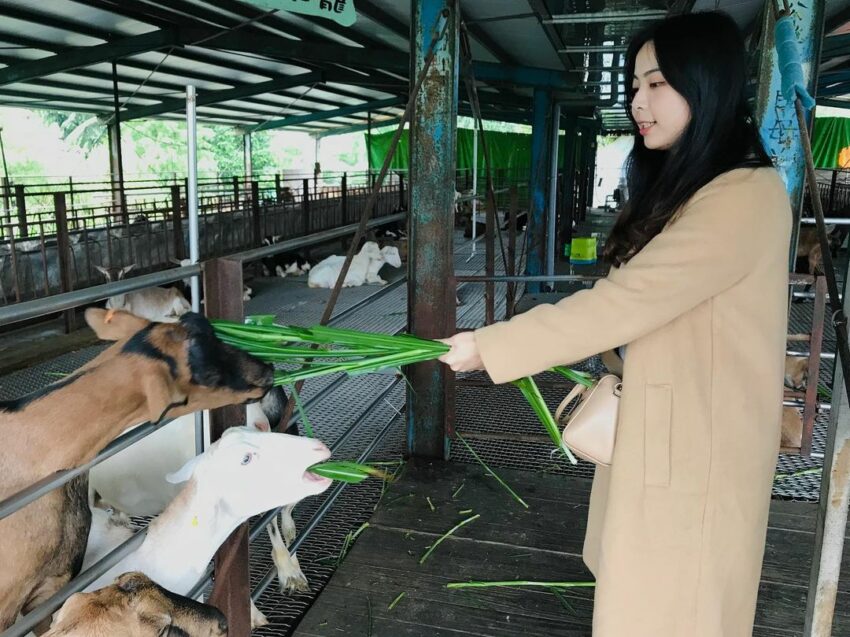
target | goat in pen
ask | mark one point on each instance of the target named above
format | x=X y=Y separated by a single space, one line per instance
x=153 y=371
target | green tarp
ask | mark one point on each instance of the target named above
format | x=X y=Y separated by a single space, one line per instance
x=508 y=151
x=512 y=151
x=831 y=136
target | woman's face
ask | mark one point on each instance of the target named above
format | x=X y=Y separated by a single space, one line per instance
x=660 y=112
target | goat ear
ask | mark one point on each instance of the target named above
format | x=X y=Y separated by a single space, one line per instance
x=185 y=472
x=120 y=325
x=132 y=582
x=104 y=272
x=161 y=394
x=125 y=270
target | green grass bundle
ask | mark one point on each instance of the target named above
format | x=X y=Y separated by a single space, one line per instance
x=339 y=350
x=322 y=350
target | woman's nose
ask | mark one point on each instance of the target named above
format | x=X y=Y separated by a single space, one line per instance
x=638 y=100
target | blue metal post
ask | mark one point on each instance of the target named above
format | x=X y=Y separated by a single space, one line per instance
x=536 y=232
x=777 y=117
x=431 y=299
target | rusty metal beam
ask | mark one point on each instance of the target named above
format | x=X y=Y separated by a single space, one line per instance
x=431 y=301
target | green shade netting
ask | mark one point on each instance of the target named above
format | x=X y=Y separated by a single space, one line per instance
x=508 y=151
x=830 y=136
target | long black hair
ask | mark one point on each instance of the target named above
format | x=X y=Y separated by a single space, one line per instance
x=703 y=57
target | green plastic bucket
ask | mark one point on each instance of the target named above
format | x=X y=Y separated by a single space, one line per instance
x=583 y=251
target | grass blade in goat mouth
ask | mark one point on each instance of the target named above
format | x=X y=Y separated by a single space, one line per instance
x=350 y=472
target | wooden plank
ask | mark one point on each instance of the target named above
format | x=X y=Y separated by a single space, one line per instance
x=555 y=520
x=509 y=542
x=783 y=607
x=344 y=612
x=385 y=563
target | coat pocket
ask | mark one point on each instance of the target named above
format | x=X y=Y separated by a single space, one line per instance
x=658 y=423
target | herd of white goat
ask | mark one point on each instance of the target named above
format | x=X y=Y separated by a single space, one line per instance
x=165 y=364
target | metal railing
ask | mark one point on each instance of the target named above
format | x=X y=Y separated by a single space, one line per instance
x=39 y=307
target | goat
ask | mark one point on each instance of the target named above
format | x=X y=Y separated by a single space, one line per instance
x=364 y=267
x=286 y=263
x=133 y=480
x=154 y=370
x=796 y=378
x=135 y=606
x=796 y=372
x=808 y=247
x=391 y=231
x=185 y=285
x=792 y=428
x=162 y=305
x=521 y=220
x=287 y=196
x=244 y=473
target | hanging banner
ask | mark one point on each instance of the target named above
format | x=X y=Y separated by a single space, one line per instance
x=341 y=11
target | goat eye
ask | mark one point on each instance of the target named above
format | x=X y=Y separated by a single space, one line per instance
x=246 y=459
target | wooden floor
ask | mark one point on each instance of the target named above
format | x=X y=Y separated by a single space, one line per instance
x=511 y=543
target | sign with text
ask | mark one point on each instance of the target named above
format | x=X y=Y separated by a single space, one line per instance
x=341 y=11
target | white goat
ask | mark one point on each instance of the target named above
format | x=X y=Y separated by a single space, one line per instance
x=134 y=482
x=389 y=256
x=247 y=292
x=244 y=473
x=364 y=267
x=162 y=305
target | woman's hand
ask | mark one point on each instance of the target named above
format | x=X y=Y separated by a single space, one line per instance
x=463 y=355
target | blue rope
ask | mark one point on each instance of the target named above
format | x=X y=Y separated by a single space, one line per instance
x=790 y=68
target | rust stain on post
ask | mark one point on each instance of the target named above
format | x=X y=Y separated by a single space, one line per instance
x=431 y=306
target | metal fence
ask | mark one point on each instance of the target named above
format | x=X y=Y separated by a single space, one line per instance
x=54 y=247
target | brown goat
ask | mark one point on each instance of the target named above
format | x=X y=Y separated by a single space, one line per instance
x=136 y=606
x=153 y=371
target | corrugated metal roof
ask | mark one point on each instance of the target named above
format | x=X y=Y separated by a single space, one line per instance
x=229 y=45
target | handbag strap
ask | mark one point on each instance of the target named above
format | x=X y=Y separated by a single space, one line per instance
x=576 y=391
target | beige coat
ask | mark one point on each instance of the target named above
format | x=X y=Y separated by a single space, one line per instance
x=677 y=525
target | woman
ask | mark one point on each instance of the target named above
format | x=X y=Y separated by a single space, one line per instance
x=697 y=292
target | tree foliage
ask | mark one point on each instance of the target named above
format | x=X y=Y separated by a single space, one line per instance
x=84 y=130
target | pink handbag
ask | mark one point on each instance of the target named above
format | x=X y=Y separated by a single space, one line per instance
x=591 y=427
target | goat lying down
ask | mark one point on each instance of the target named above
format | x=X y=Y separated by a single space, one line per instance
x=153 y=371
x=135 y=606
x=163 y=305
x=364 y=267
x=244 y=473
x=186 y=284
x=286 y=263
